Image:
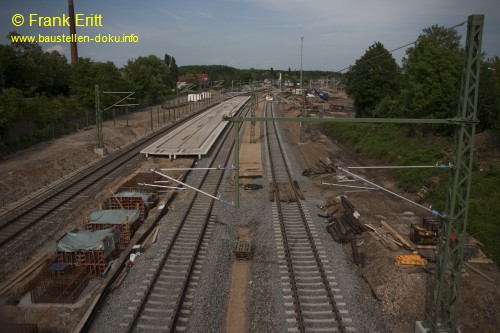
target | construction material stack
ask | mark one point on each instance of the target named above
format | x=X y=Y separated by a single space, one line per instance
x=94 y=250
x=59 y=283
x=133 y=200
x=127 y=221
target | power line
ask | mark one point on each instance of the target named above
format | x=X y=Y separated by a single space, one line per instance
x=399 y=48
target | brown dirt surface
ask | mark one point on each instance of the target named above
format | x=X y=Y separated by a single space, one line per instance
x=237 y=304
x=28 y=171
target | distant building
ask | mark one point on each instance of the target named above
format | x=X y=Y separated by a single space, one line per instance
x=202 y=80
x=181 y=81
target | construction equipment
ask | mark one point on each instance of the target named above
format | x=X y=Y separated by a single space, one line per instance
x=321 y=94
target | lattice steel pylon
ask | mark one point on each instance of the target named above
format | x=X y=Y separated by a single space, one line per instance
x=442 y=315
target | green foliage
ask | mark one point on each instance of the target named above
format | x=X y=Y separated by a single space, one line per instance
x=431 y=82
x=375 y=76
x=489 y=95
x=47 y=111
x=484 y=210
x=173 y=74
x=11 y=107
x=87 y=73
x=34 y=71
x=390 y=143
x=149 y=78
x=387 y=108
x=449 y=38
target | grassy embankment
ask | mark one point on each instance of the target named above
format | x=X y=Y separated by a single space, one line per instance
x=390 y=144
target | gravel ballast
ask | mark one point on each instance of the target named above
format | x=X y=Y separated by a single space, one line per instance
x=266 y=309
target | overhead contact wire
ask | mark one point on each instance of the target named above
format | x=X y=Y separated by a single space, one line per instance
x=433 y=212
x=398 y=48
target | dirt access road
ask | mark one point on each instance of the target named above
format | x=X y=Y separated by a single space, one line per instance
x=403 y=292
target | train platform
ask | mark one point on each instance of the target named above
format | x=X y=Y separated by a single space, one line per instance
x=196 y=137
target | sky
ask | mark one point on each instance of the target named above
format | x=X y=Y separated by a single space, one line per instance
x=259 y=34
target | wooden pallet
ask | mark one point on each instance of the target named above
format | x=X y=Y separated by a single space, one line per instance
x=243 y=250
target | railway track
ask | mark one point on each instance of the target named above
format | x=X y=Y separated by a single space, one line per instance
x=163 y=301
x=30 y=212
x=312 y=301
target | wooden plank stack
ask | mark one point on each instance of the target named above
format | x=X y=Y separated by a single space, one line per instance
x=408 y=244
x=322 y=166
x=342 y=228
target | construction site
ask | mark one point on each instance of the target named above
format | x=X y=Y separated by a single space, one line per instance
x=240 y=214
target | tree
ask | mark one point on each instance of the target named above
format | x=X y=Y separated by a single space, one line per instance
x=174 y=70
x=27 y=66
x=148 y=77
x=431 y=73
x=45 y=111
x=11 y=108
x=489 y=95
x=374 y=76
x=36 y=71
x=8 y=66
x=85 y=74
x=447 y=37
x=54 y=74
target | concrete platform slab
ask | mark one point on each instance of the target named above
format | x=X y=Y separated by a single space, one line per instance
x=196 y=137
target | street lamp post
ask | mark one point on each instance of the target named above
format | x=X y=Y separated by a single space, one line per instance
x=303 y=112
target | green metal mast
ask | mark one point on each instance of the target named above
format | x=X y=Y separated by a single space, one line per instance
x=252 y=114
x=442 y=316
x=98 y=119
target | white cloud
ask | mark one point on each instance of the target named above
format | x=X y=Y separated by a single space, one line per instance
x=59 y=48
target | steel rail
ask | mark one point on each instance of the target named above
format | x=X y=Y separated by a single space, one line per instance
x=302 y=321
x=39 y=207
x=170 y=281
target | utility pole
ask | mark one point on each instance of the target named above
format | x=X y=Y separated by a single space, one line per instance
x=303 y=111
x=253 y=107
x=442 y=316
x=98 y=120
x=98 y=115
